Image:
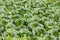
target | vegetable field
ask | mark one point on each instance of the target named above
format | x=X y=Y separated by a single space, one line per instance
x=29 y=19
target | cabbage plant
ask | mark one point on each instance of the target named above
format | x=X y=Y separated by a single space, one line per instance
x=29 y=19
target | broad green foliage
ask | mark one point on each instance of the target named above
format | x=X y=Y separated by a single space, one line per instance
x=29 y=19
